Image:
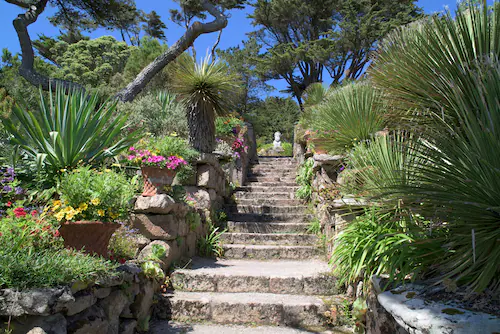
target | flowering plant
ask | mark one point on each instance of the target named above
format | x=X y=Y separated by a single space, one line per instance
x=87 y=194
x=228 y=126
x=148 y=158
x=21 y=229
x=239 y=147
x=10 y=190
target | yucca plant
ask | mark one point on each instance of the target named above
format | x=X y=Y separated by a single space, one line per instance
x=210 y=245
x=207 y=89
x=70 y=127
x=349 y=115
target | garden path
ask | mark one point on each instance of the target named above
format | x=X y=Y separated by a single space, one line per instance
x=273 y=272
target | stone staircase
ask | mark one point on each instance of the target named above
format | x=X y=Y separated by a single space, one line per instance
x=273 y=272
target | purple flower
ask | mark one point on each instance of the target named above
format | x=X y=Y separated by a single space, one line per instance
x=341 y=168
x=19 y=190
x=10 y=171
x=7 y=189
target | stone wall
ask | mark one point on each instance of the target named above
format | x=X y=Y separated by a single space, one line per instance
x=119 y=304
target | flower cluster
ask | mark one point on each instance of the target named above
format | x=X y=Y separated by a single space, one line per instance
x=10 y=191
x=148 y=158
x=239 y=147
x=92 y=210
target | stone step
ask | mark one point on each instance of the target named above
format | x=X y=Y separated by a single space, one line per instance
x=288 y=179
x=263 y=209
x=267 y=159
x=172 y=327
x=270 y=201
x=239 y=195
x=269 y=252
x=286 y=239
x=310 y=277
x=263 y=169
x=270 y=217
x=261 y=189
x=248 y=308
x=273 y=184
x=266 y=227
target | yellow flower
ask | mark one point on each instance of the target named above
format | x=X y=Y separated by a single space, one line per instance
x=101 y=212
x=62 y=170
x=60 y=215
x=113 y=215
x=95 y=201
x=83 y=206
x=116 y=165
x=107 y=170
x=173 y=134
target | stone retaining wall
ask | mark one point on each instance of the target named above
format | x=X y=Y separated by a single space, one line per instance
x=119 y=304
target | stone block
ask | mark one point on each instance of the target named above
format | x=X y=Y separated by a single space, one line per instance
x=80 y=303
x=113 y=306
x=101 y=293
x=207 y=176
x=286 y=285
x=146 y=253
x=201 y=196
x=156 y=227
x=90 y=321
x=52 y=324
x=127 y=326
x=141 y=308
x=191 y=244
x=159 y=204
x=190 y=282
x=34 y=302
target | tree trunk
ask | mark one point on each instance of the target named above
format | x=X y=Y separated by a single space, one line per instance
x=201 y=124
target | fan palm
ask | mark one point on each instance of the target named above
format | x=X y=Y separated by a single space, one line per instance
x=206 y=88
x=68 y=129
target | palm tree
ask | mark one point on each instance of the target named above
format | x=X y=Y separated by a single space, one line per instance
x=206 y=89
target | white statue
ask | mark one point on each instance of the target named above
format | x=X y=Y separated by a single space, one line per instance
x=277 y=140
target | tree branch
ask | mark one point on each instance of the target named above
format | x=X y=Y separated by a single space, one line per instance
x=194 y=31
x=21 y=23
x=216 y=44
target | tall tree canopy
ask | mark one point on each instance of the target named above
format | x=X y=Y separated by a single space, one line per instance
x=305 y=39
x=76 y=15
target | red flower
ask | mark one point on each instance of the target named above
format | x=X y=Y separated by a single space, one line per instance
x=57 y=234
x=19 y=212
x=122 y=261
x=9 y=204
x=34 y=213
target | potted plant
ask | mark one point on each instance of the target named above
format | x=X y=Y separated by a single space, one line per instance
x=91 y=205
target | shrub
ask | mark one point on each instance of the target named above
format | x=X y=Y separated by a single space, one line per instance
x=31 y=255
x=69 y=129
x=228 y=126
x=158 y=114
x=265 y=148
x=349 y=115
x=304 y=179
x=379 y=242
x=123 y=244
x=10 y=190
x=87 y=194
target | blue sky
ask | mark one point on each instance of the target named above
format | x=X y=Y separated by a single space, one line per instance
x=235 y=32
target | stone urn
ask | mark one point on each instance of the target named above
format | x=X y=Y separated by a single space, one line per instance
x=155 y=179
x=92 y=236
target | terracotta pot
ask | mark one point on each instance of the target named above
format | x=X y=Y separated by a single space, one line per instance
x=91 y=235
x=155 y=179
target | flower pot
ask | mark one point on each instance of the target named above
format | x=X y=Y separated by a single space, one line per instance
x=91 y=235
x=155 y=179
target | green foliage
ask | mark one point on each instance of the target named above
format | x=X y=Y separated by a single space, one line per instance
x=210 y=245
x=457 y=179
x=90 y=195
x=151 y=266
x=69 y=129
x=305 y=38
x=314 y=226
x=383 y=242
x=206 y=88
x=157 y=114
x=304 y=179
x=349 y=115
x=272 y=115
x=193 y=219
x=31 y=256
x=226 y=126
x=265 y=149
x=90 y=62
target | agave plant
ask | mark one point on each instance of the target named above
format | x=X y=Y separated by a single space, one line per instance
x=206 y=88
x=70 y=127
x=349 y=115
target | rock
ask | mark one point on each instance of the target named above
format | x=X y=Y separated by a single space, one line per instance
x=160 y=204
x=52 y=324
x=172 y=252
x=101 y=293
x=33 y=302
x=91 y=321
x=201 y=196
x=80 y=303
x=128 y=326
x=113 y=307
x=191 y=244
x=326 y=159
x=141 y=242
x=110 y=281
x=141 y=308
x=207 y=158
x=207 y=176
x=156 y=227
x=79 y=286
